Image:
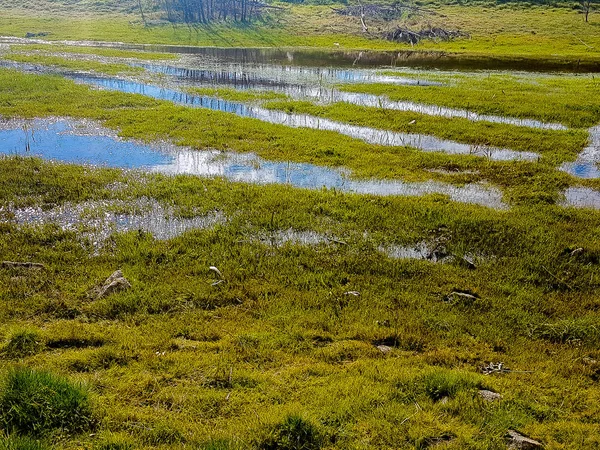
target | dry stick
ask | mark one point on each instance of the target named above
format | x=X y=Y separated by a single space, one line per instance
x=558 y=279
x=579 y=39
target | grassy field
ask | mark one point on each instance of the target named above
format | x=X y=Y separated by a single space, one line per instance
x=295 y=320
x=285 y=348
x=177 y=362
x=507 y=32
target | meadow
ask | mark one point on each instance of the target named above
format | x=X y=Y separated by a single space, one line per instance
x=302 y=318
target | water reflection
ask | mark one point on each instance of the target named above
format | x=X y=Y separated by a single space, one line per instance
x=95 y=221
x=317 y=85
x=84 y=142
x=341 y=58
x=582 y=197
x=370 y=135
x=586 y=165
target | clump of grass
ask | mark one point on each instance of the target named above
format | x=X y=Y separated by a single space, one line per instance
x=293 y=433
x=23 y=343
x=21 y=443
x=36 y=403
x=582 y=330
x=438 y=384
x=162 y=434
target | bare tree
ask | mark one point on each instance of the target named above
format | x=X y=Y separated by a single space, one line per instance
x=586 y=6
x=206 y=11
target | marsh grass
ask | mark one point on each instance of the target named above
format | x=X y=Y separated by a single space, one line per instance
x=293 y=433
x=234 y=95
x=281 y=337
x=505 y=33
x=94 y=51
x=23 y=343
x=73 y=64
x=37 y=403
x=566 y=99
x=143 y=118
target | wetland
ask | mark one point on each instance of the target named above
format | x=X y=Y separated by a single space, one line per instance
x=285 y=248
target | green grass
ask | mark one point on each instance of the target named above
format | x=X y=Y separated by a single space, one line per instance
x=22 y=343
x=140 y=117
x=20 y=443
x=279 y=354
x=187 y=364
x=235 y=95
x=74 y=64
x=570 y=100
x=107 y=52
x=555 y=146
x=538 y=35
x=37 y=403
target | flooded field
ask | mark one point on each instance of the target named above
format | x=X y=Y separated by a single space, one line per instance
x=258 y=71
x=315 y=247
x=84 y=142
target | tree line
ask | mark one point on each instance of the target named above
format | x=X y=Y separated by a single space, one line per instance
x=207 y=11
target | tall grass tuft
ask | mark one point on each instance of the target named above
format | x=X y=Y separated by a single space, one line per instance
x=36 y=403
x=23 y=343
x=294 y=433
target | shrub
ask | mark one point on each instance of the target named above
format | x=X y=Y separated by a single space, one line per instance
x=294 y=433
x=23 y=343
x=36 y=403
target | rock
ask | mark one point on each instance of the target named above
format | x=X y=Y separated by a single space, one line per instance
x=489 y=396
x=27 y=265
x=518 y=441
x=385 y=349
x=115 y=283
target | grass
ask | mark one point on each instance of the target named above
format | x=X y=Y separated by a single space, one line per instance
x=541 y=35
x=235 y=95
x=21 y=443
x=106 y=52
x=293 y=433
x=334 y=345
x=555 y=146
x=36 y=403
x=74 y=64
x=183 y=363
x=23 y=343
x=139 y=117
x=570 y=100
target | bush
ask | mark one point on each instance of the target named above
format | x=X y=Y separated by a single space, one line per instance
x=294 y=433
x=23 y=343
x=37 y=403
